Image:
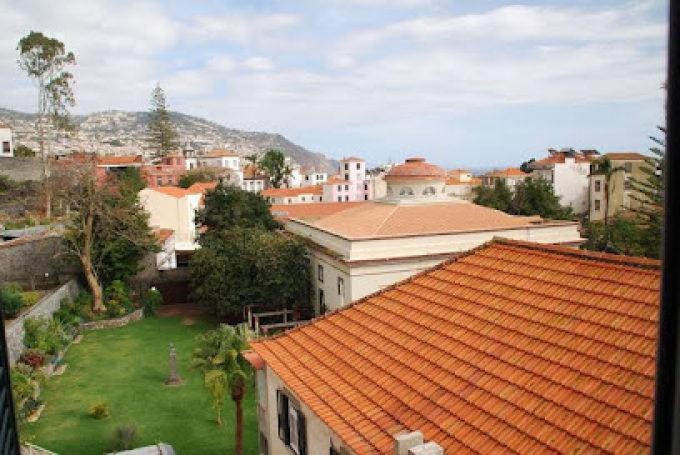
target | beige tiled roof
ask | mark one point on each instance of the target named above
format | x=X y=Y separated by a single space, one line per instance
x=514 y=347
x=376 y=219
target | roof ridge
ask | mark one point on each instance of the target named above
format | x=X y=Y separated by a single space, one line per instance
x=631 y=261
x=389 y=215
x=545 y=377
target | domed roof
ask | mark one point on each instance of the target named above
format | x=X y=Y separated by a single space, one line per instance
x=416 y=168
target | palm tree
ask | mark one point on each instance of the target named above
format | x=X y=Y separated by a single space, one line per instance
x=220 y=355
x=604 y=167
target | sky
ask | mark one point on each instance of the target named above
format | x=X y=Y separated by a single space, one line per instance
x=461 y=82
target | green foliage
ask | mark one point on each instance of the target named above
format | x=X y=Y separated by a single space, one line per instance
x=151 y=300
x=11 y=299
x=621 y=235
x=68 y=313
x=219 y=354
x=30 y=298
x=274 y=163
x=250 y=266
x=131 y=183
x=100 y=411
x=45 y=334
x=124 y=437
x=198 y=175
x=118 y=301
x=23 y=151
x=531 y=197
x=22 y=385
x=227 y=207
x=162 y=134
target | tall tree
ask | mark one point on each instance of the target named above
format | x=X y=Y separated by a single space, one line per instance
x=44 y=60
x=274 y=163
x=227 y=207
x=162 y=133
x=536 y=197
x=499 y=197
x=107 y=233
x=219 y=354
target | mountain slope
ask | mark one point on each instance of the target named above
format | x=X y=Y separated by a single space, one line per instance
x=123 y=132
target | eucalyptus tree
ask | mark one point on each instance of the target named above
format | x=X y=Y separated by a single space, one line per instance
x=45 y=60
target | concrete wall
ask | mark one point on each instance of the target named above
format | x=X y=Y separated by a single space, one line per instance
x=319 y=436
x=14 y=329
x=20 y=169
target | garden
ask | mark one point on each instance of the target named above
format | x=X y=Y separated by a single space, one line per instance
x=113 y=396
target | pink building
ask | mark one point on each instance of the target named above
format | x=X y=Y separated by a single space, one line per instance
x=350 y=184
x=166 y=173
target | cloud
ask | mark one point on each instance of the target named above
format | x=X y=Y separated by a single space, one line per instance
x=258 y=64
x=239 y=28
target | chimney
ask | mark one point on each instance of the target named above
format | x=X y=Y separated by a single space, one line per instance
x=430 y=448
x=406 y=441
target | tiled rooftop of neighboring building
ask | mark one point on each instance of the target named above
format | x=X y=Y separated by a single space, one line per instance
x=221 y=153
x=513 y=347
x=377 y=219
x=293 y=192
x=508 y=172
x=625 y=156
x=310 y=212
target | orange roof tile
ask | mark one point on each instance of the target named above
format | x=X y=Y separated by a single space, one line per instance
x=559 y=157
x=310 y=211
x=173 y=191
x=292 y=192
x=163 y=234
x=220 y=153
x=378 y=220
x=415 y=168
x=508 y=172
x=201 y=187
x=513 y=347
x=129 y=160
x=625 y=156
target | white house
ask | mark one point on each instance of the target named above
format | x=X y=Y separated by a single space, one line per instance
x=302 y=195
x=222 y=159
x=365 y=248
x=312 y=178
x=6 y=141
x=567 y=170
x=460 y=183
x=351 y=183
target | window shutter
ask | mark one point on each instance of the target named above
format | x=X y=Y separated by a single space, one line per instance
x=302 y=433
x=282 y=400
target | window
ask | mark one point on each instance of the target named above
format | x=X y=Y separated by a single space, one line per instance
x=597 y=205
x=628 y=167
x=303 y=199
x=346 y=187
x=598 y=186
x=290 y=201
x=322 y=302
x=339 y=187
x=339 y=198
x=159 y=181
x=320 y=198
x=347 y=166
x=346 y=177
x=429 y=191
x=358 y=166
x=292 y=427
x=406 y=191
x=366 y=187
x=341 y=287
x=170 y=180
x=307 y=178
x=5 y=147
x=319 y=272
x=627 y=185
x=365 y=197
x=183 y=260
x=346 y=198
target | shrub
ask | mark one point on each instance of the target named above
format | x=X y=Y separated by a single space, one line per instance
x=22 y=386
x=124 y=437
x=45 y=334
x=118 y=301
x=34 y=358
x=30 y=297
x=151 y=300
x=11 y=299
x=31 y=405
x=100 y=411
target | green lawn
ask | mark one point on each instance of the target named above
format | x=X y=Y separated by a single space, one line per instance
x=126 y=367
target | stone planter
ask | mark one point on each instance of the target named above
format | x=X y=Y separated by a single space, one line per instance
x=111 y=323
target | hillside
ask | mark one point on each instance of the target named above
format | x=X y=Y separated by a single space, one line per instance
x=120 y=132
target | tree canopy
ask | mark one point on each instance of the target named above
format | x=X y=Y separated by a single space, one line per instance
x=198 y=175
x=531 y=197
x=162 y=134
x=274 y=163
x=227 y=207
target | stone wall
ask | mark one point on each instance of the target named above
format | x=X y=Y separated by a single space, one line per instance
x=111 y=323
x=26 y=260
x=22 y=169
x=14 y=329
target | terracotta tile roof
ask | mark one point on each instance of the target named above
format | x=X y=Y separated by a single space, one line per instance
x=625 y=156
x=474 y=181
x=201 y=187
x=220 y=153
x=173 y=191
x=377 y=219
x=415 y=168
x=512 y=348
x=163 y=234
x=560 y=157
x=310 y=212
x=508 y=172
x=129 y=160
x=457 y=172
x=292 y=192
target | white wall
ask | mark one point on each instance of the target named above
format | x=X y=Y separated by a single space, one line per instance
x=6 y=139
x=319 y=436
x=571 y=184
x=176 y=213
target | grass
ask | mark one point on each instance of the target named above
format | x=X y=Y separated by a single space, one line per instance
x=126 y=367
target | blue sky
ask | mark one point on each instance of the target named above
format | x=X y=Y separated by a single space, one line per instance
x=461 y=82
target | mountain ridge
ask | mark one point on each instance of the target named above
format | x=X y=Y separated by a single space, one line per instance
x=123 y=132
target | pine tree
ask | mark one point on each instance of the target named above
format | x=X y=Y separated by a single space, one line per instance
x=162 y=134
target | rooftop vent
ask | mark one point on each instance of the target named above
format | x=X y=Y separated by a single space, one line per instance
x=412 y=444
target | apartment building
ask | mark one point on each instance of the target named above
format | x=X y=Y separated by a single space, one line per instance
x=612 y=194
x=351 y=183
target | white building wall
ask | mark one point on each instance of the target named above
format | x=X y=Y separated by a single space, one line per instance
x=176 y=213
x=319 y=436
x=571 y=184
x=6 y=143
